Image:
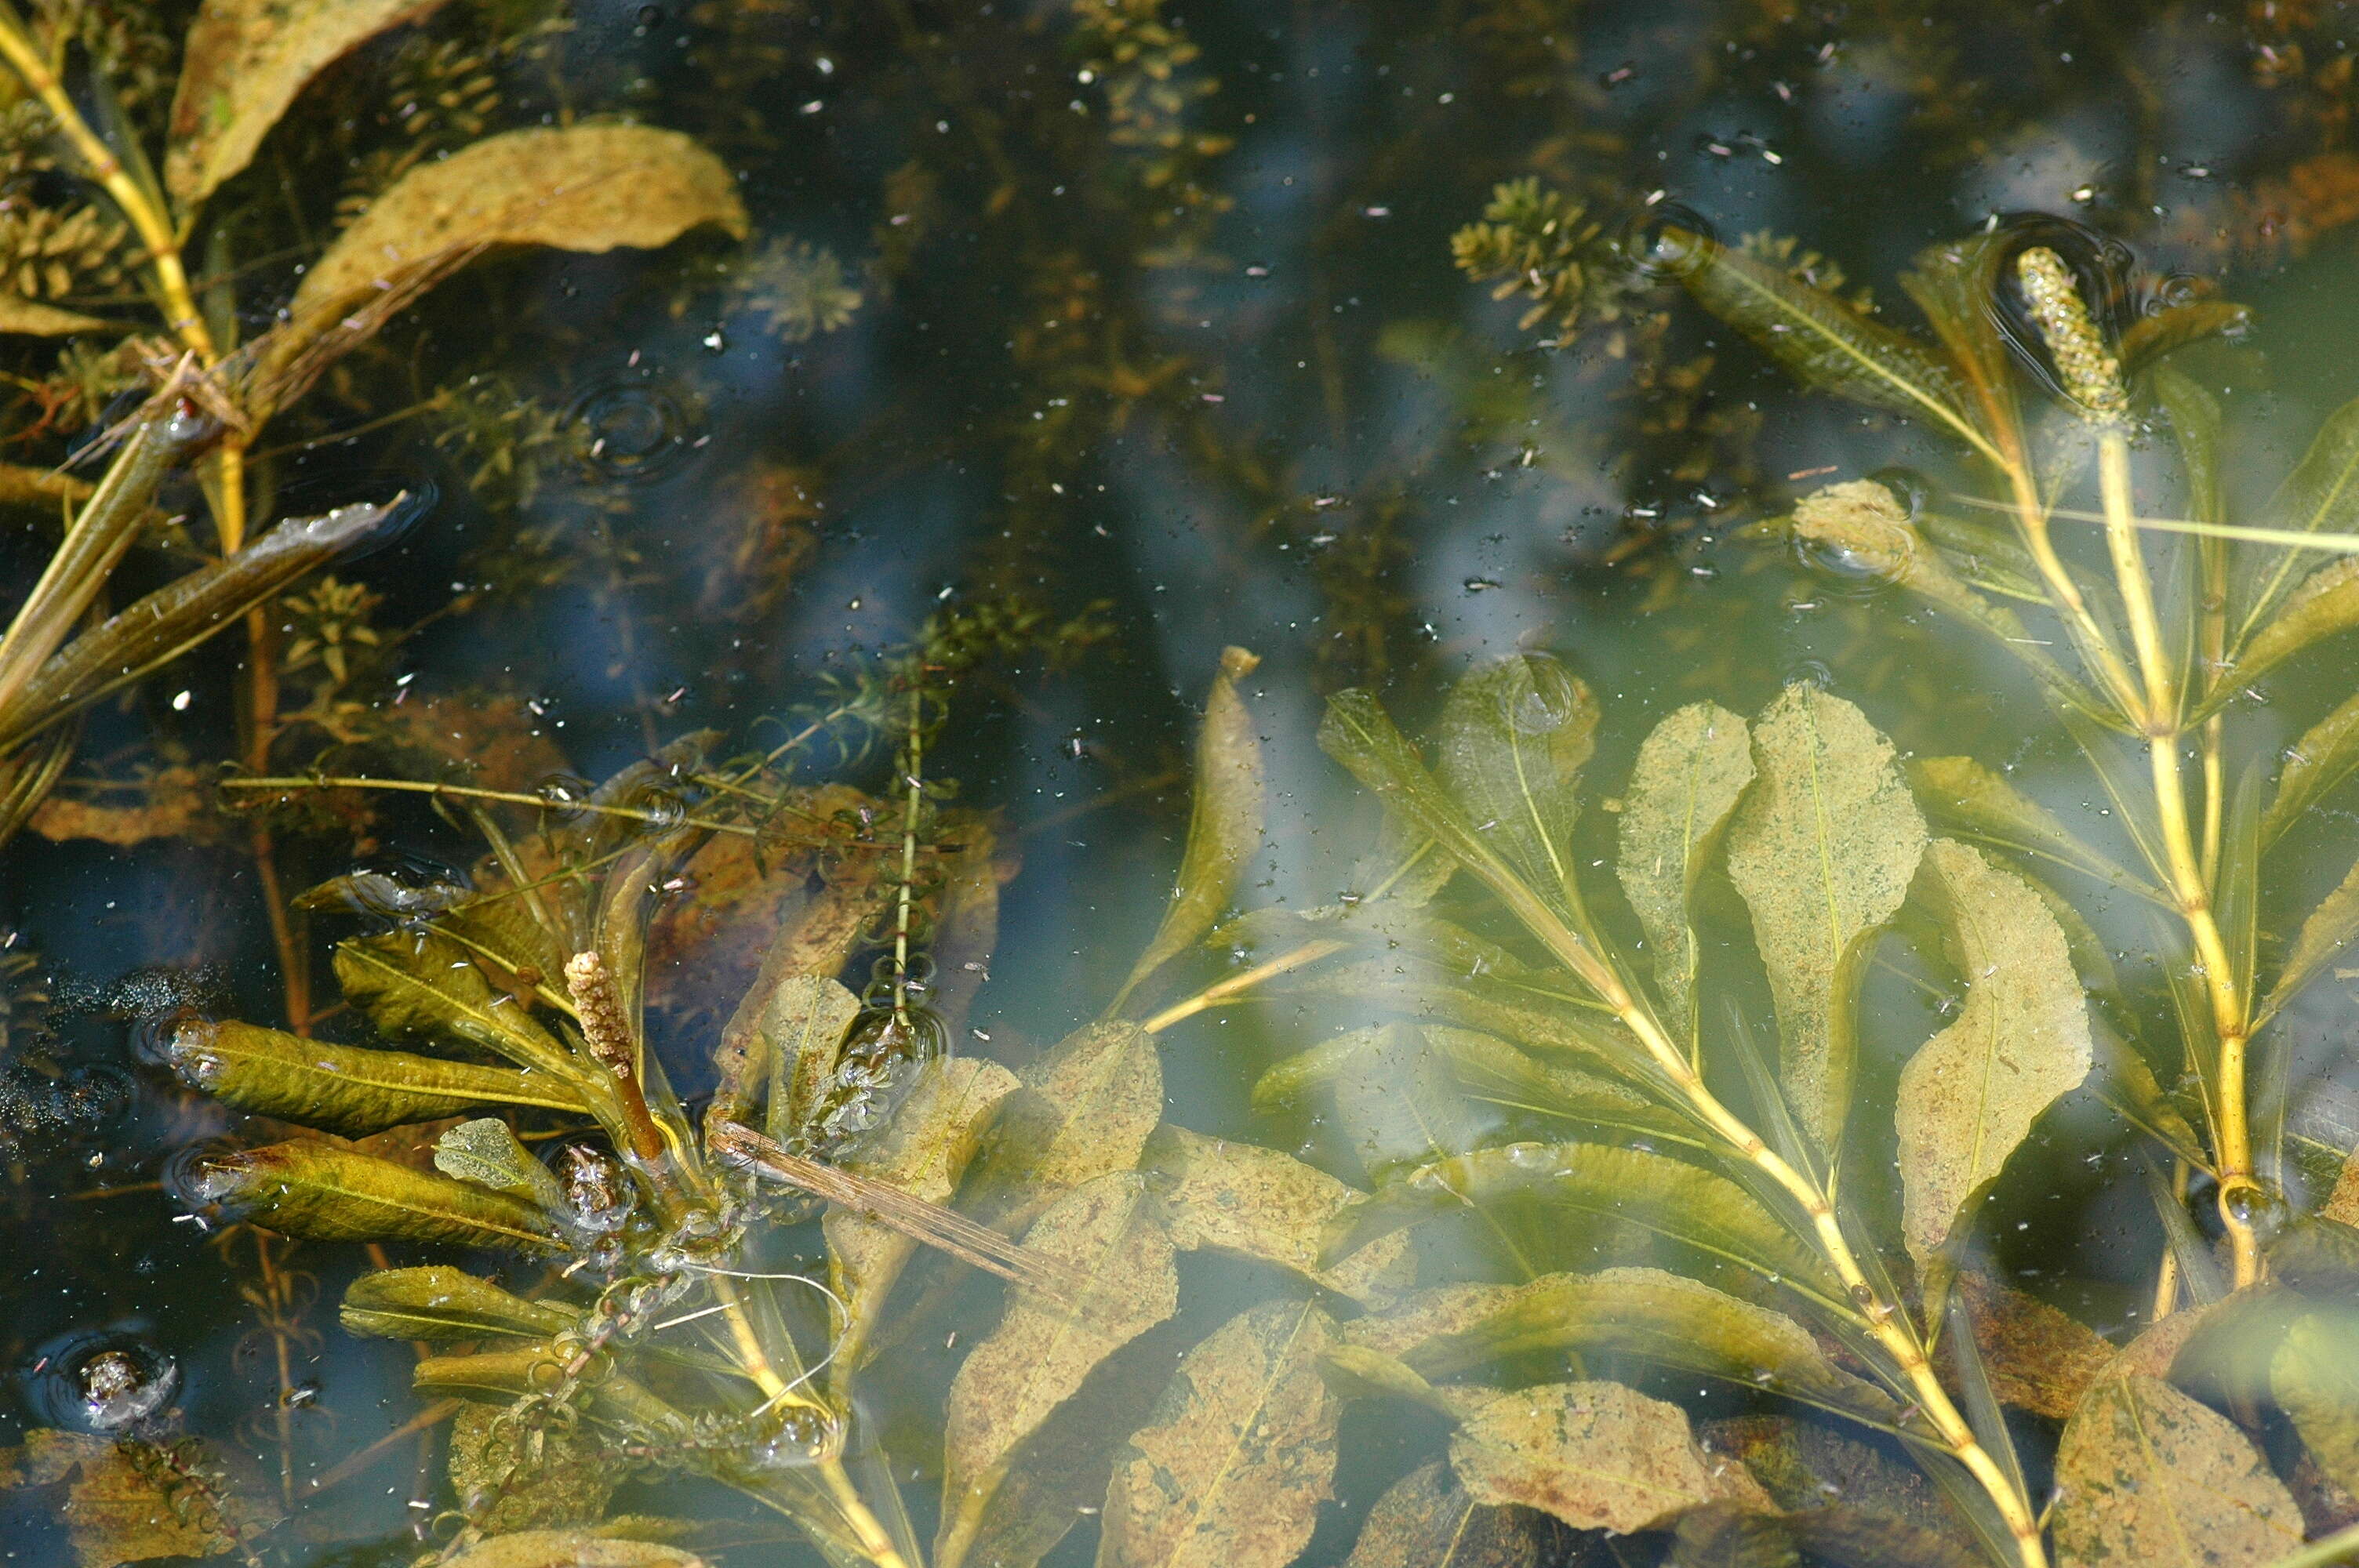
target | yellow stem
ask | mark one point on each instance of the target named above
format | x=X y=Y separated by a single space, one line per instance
x=1236 y=985
x=2031 y=519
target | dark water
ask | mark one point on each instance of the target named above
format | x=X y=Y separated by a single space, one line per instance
x=1199 y=370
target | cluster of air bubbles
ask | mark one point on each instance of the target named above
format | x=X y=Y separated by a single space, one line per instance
x=600 y=1195
x=103 y=1382
x=407 y=495
x=632 y=429
x=1546 y=702
x=206 y=1179
x=392 y=890
x=798 y=1437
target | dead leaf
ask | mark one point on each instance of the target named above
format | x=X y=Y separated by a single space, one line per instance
x=120 y=1496
x=571 y=1549
x=1238 y=1454
x=1971 y=1094
x=1259 y=1203
x=1010 y=1384
x=1823 y=851
x=2147 y=1476
x=245 y=62
x=178 y=805
x=1426 y=1520
x=1684 y=787
x=1597 y=1456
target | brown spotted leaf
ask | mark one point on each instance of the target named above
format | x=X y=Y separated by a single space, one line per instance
x=1426 y=1520
x=2036 y=1358
x=2021 y=1041
x=1689 y=774
x=2145 y=1475
x=1105 y=1230
x=1237 y=1454
x=245 y=63
x=1597 y=1456
x=1251 y=1202
x=119 y=1499
x=571 y=1549
x=1085 y=1108
x=1823 y=851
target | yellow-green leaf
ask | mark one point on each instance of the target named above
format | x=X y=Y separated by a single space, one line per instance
x=2321 y=495
x=1514 y=736
x=345 y=1089
x=1823 y=851
x=2326 y=755
x=2325 y=602
x=2147 y=1476
x=244 y=64
x=438 y=1301
x=1263 y=1204
x=2327 y=930
x=487 y=1152
x=1977 y=803
x=320 y=1193
x=1010 y=1384
x=1971 y=1094
x=801 y=1026
x=32 y=319
x=1689 y=774
x=1597 y=1456
x=1238 y=1454
x=424 y=985
x=1086 y=1107
x=1399 y=1103
x=1223 y=826
x=2314 y=1377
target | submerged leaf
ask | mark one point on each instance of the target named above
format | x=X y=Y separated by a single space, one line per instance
x=439 y=1302
x=1691 y=771
x=318 y=1192
x=2317 y=764
x=121 y=1502
x=2326 y=602
x=1086 y=1107
x=1821 y=851
x=344 y=1089
x=2327 y=930
x=1515 y=735
x=1259 y=1203
x=2314 y=1377
x=1237 y=1454
x=571 y=1549
x=1224 y=826
x=1597 y=1456
x=32 y=319
x=2321 y=495
x=801 y=1025
x=1977 y=803
x=2036 y=1358
x=1012 y=1383
x=2146 y=1474
x=1399 y=1103
x=2020 y=1042
x=1426 y=1520
x=245 y=62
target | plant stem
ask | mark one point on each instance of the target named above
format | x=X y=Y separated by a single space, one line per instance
x=1236 y=985
x=468 y=791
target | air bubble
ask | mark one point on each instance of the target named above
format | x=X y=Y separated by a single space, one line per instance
x=103 y=1382
x=1552 y=701
x=634 y=428
x=205 y=1179
x=1669 y=241
x=392 y=889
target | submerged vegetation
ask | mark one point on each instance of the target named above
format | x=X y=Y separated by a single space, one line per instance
x=1652 y=1102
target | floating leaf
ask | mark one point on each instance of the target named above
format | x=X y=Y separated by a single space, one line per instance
x=1971 y=1094
x=2326 y=932
x=2321 y=494
x=2314 y=1377
x=245 y=62
x=1237 y=1454
x=441 y=1303
x=1647 y=1312
x=571 y=1549
x=1690 y=773
x=31 y=318
x=1224 y=826
x=1975 y=803
x=344 y=1089
x=1259 y=1203
x=487 y=1152
x=318 y=1192
x=1399 y=1103
x=1515 y=735
x=1426 y=1520
x=1680 y=1203
x=1011 y=1383
x=2146 y=1474
x=1822 y=340
x=1595 y=1455
x=426 y=986
x=1823 y=851
x=923 y=1153
x=1086 y=1107
x=2317 y=764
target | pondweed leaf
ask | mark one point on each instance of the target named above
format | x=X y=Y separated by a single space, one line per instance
x=1823 y=851
x=924 y=1151
x=1399 y=1103
x=2146 y=1474
x=1426 y=1520
x=801 y=1026
x=487 y=1152
x=1225 y=827
x=563 y=1478
x=1847 y=1501
x=2314 y=1379
x=1691 y=773
x=1822 y=340
x=1494 y=1072
x=2036 y=1358
x=571 y=1549
x=438 y=1301
x=1010 y=1384
x=1597 y=1456
x=1680 y=1203
x=2326 y=931
x=2324 y=604
x=1514 y=736
x=2317 y=764
x=504 y=1375
x=1237 y=1454
x=2317 y=1256
x=345 y=1089
x=320 y=1193
x=1085 y=1108
x=1954 y=284
x=2149 y=339
x=1250 y=1202
x=1977 y=803
x=118 y=1506
x=2321 y=495
x=424 y=985
x=30 y=317
x=1657 y=1316
x=1538 y=1024
x=244 y=64
x=2019 y=1043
